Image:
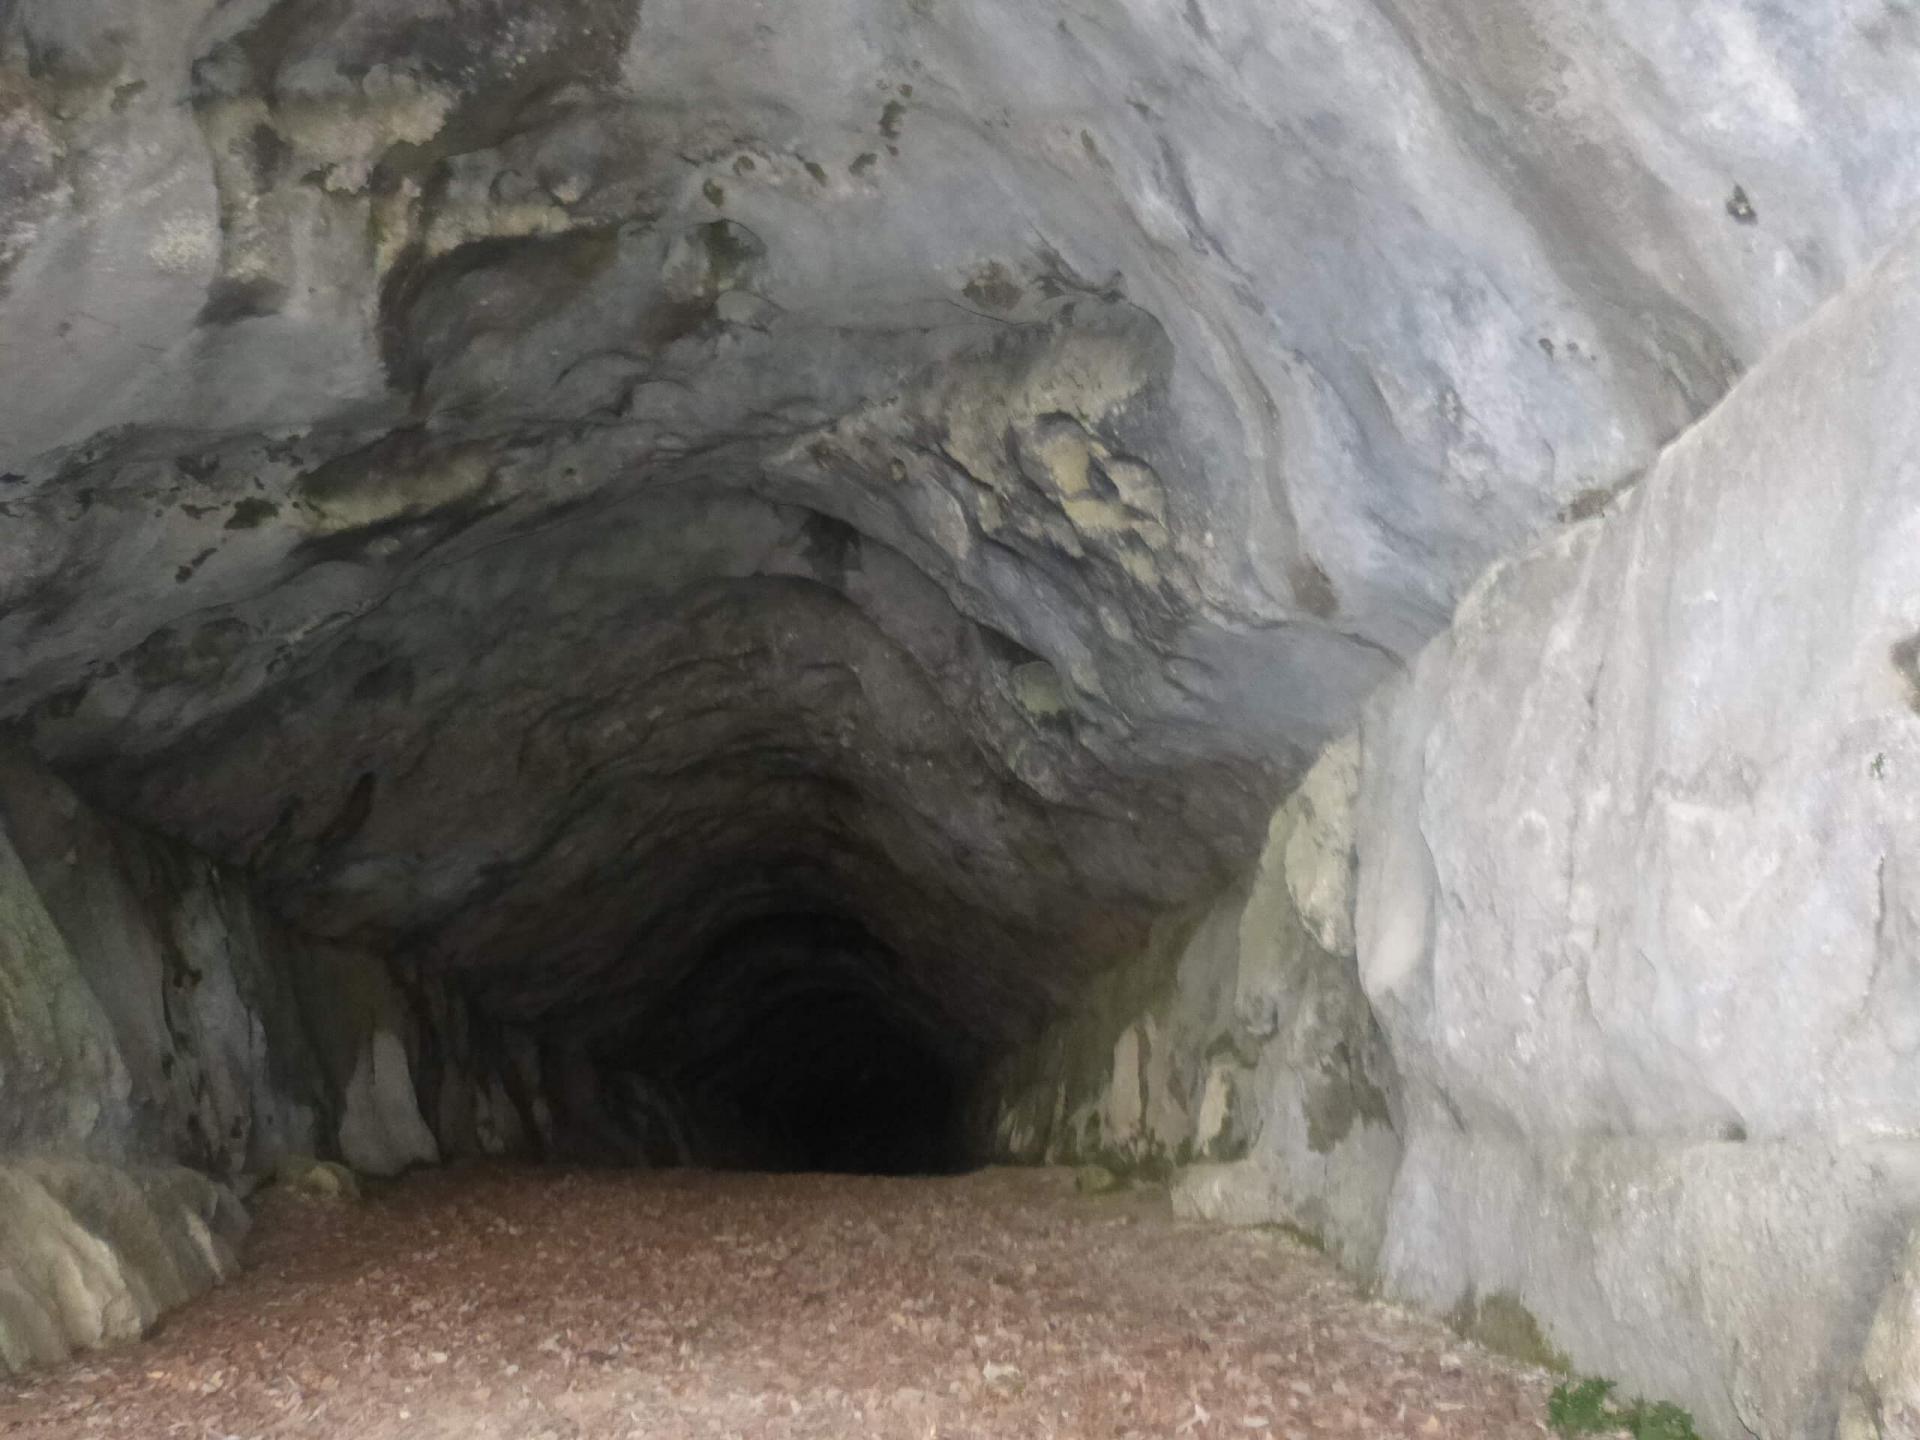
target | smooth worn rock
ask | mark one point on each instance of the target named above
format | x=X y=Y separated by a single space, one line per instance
x=91 y=1254
x=1884 y=1401
x=61 y=1076
x=503 y=473
x=742 y=584
x=1637 y=866
x=1639 y=854
x=1242 y=1057
x=163 y=1012
x=317 y=1179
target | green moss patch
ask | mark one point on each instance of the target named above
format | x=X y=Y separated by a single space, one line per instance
x=1587 y=1407
x=1504 y=1325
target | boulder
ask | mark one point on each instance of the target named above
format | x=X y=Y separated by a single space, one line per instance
x=1884 y=1402
x=1639 y=895
x=316 y=1179
x=91 y=1253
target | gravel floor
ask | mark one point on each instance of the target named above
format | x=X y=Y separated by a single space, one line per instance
x=536 y=1305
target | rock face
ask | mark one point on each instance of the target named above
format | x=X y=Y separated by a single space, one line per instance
x=162 y=1013
x=1635 y=917
x=1884 y=1403
x=522 y=478
x=1638 y=861
x=153 y=1012
x=636 y=553
x=1238 y=1052
x=91 y=1254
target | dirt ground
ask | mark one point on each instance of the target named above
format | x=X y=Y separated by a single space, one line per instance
x=544 y=1305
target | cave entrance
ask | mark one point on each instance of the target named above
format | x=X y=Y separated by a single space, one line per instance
x=800 y=1042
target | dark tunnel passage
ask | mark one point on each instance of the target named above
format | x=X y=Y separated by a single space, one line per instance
x=796 y=1042
x=1234 y=603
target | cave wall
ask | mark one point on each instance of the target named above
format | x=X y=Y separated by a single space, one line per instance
x=1639 y=897
x=475 y=463
x=165 y=1043
x=92 y=1252
x=1237 y=1056
x=1634 y=906
x=161 y=1012
x=533 y=485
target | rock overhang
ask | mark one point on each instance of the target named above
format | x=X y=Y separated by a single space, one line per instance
x=542 y=485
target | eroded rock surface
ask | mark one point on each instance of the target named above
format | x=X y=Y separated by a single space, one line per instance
x=523 y=478
x=1884 y=1402
x=1237 y=1055
x=157 y=1011
x=92 y=1253
x=596 y=515
x=1634 y=917
x=1638 y=896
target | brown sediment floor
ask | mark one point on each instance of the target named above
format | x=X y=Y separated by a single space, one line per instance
x=517 y=1304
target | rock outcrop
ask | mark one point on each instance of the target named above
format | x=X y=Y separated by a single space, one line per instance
x=520 y=478
x=160 y=1011
x=1237 y=1056
x=1884 y=1401
x=91 y=1253
x=589 y=558
x=1635 y=915
x=152 y=1011
x=1640 y=893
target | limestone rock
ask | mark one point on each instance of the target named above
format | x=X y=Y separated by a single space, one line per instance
x=1096 y=1180
x=520 y=495
x=1884 y=1402
x=1623 y=877
x=1245 y=1056
x=163 y=1010
x=1319 y=854
x=92 y=1254
x=1637 y=871
x=998 y=433
x=382 y=1131
x=61 y=1076
x=317 y=1179
x=188 y=986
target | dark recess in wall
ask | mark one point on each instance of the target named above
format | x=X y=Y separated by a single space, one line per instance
x=797 y=1042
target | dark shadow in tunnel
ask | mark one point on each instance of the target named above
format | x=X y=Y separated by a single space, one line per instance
x=800 y=1042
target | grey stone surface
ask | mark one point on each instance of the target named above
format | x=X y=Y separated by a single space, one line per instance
x=155 y=1009
x=188 y=984
x=1637 y=899
x=1736 y=1278
x=1640 y=855
x=151 y=1011
x=94 y=1253
x=542 y=486
x=1626 y=861
x=1237 y=1056
x=61 y=1076
x=1884 y=1400
x=1012 y=433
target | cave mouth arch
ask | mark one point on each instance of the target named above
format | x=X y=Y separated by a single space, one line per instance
x=798 y=1041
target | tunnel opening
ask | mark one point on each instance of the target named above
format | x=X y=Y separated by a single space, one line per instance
x=794 y=1042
